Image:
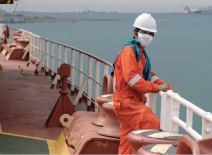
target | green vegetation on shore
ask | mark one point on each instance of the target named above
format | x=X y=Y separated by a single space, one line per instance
x=27 y=19
x=34 y=19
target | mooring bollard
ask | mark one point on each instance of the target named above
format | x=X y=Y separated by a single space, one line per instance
x=63 y=105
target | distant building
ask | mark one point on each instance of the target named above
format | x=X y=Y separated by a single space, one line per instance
x=2 y=11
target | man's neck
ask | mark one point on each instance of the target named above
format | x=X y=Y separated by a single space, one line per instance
x=141 y=48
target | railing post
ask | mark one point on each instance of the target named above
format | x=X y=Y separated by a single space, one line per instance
x=65 y=54
x=151 y=101
x=89 y=84
x=37 y=49
x=189 y=118
x=206 y=127
x=12 y=34
x=22 y=34
x=40 y=50
x=30 y=49
x=72 y=71
x=43 y=53
x=13 y=30
x=105 y=69
x=58 y=55
x=165 y=118
x=175 y=112
x=52 y=59
x=10 y=37
x=33 y=48
x=162 y=112
x=97 y=72
x=43 y=57
x=47 y=58
x=27 y=49
x=80 y=72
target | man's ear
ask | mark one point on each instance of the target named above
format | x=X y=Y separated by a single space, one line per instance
x=135 y=34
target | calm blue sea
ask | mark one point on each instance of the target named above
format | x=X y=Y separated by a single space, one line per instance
x=180 y=53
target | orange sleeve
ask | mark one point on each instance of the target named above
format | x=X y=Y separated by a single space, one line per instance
x=131 y=75
x=158 y=81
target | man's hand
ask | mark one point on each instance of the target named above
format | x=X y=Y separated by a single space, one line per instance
x=164 y=88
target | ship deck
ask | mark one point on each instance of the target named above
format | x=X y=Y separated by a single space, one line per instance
x=26 y=101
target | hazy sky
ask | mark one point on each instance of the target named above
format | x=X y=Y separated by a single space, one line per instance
x=108 y=5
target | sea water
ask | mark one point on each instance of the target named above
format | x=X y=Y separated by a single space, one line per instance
x=180 y=53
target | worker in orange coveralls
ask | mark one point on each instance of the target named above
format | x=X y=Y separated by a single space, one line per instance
x=132 y=79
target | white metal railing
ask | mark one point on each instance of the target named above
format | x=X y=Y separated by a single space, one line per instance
x=170 y=101
x=39 y=51
x=170 y=111
x=88 y=81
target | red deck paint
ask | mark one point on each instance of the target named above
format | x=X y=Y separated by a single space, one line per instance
x=26 y=101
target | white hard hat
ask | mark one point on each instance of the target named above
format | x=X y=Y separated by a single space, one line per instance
x=145 y=22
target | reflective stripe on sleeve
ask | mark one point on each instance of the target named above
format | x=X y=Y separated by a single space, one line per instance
x=114 y=84
x=134 y=80
x=154 y=78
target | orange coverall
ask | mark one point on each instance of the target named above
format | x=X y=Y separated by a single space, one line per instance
x=129 y=96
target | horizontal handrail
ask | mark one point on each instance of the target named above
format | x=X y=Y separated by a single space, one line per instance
x=191 y=106
x=170 y=102
x=88 y=54
x=84 y=74
x=191 y=131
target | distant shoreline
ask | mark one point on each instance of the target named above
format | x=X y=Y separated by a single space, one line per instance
x=19 y=18
x=54 y=20
x=74 y=20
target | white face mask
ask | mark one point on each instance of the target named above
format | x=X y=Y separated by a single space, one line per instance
x=144 y=39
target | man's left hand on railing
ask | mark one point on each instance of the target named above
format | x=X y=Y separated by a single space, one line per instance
x=161 y=82
x=163 y=88
x=170 y=87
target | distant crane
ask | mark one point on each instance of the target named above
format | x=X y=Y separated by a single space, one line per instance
x=15 y=7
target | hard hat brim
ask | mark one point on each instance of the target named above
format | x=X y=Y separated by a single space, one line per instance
x=146 y=29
